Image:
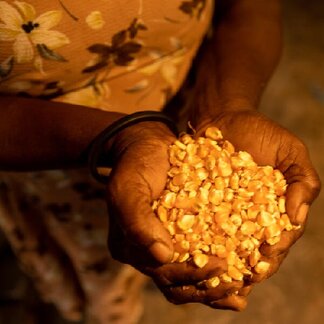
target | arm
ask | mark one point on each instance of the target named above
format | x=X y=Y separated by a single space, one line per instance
x=233 y=69
x=37 y=134
x=236 y=63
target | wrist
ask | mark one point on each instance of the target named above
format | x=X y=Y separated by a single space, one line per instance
x=142 y=132
x=205 y=111
x=150 y=127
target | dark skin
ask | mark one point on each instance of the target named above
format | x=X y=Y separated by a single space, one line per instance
x=234 y=66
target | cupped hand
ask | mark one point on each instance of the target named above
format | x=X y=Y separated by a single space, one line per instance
x=137 y=237
x=271 y=144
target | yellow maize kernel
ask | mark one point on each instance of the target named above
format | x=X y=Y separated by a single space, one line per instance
x=183 y=257
x=231 y=258
x=244 y=194
x=168 y=200
x=212 y=282
x=171 y=228
x=185 y=245
x=215 y=196
x=254 y=185
x=186 y=222
x=206 y=238
x=175 y=257
x=224 y=168
x=259 y=197
x=225 y=278
x=230 y=244
x=210 y=162
x=200 y=260
x=203 y=151
x=228 y=146
x=220 y=251
x=265 y=219
x=255 y=241
x=186 y=139
x=202 y=197
x=273 y=240
x=272 y=231
x=236 y=219
x=254 y=257
x=248 y=228
x=286 y=221
x=253 y=211
x=229 y=228
x=247 y=245
x=192 y=149
x=205 y=248
x=259 y=234
x=234 y=273
x=180 y=145
x=228 y=195
x=191 y=185
x=162 y=213
x=282 y=205
x=179 y=237
x=180 y=179
x=213 y=133
x=262 y=267
x=202 y=174
x=173 y=188
x=181 y=155
x=193 y=237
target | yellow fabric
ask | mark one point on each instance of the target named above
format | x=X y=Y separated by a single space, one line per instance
x=116 y=55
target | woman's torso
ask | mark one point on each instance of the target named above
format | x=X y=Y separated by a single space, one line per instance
x=115 y=55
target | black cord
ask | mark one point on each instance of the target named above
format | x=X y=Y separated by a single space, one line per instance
x=122 y=123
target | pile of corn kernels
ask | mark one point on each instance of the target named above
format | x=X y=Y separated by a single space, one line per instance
x=220 y=202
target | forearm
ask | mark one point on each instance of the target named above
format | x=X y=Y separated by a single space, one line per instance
x=37 y=134
x=236 y=63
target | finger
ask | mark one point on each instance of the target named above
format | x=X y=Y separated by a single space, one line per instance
x=233 y=302
x=274 y=262
x=287 y=239
x=191 y=294
x=245 y=291
x=303 y=184
x=132 y=202
x=187 y=273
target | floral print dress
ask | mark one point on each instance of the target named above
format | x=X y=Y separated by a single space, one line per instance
x=122 y=56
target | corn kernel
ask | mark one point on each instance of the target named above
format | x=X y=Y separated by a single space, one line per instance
x=186 y=222
x=262 y=267
x=234 y=273
x=200 y=260
x=212 y=282
x=213 y=133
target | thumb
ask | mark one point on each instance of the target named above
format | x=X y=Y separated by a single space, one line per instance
x=131 y=206
x=303 y=187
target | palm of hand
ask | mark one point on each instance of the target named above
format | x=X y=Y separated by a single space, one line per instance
x=271 y=144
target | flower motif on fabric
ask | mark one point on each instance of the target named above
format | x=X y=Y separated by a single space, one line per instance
x=31 y=35
x=193 y=8
x=121 y=51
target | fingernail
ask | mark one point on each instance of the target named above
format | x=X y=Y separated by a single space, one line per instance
x=302 y=214
x=161 y=252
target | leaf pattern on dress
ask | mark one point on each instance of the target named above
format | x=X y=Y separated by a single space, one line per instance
x=122 y=50
x=6 y=67
x=193 y=8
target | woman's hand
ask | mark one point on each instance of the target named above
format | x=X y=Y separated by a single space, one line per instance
x=271 y=144
x=136 y=235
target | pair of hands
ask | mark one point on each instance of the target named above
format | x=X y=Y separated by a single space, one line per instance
x=139 y=175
